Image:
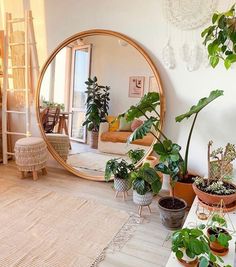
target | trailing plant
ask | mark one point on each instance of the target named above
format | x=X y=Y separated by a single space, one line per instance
x=171 y=161
x=145 y=179
x=219 y=168
x=119 y=168
x=195 y=244
x=97 y=104
x=217 y=225
x=136 y=155
x=220 y=38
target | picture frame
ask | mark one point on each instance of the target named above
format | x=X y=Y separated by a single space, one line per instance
x=153 y=85
x=136 y=86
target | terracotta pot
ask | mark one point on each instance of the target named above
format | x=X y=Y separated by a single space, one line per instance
x=211 y=264
x=185 y=191
x=94 y=140
x=172 y=219
x=211 y=199
x=151 y=160
x=215 y=246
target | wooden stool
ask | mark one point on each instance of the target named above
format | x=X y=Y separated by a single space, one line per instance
x=61 y=143
x=31 y=156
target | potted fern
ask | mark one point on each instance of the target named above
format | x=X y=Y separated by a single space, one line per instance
x=121 y=170
x=145 y=182
x=97 y=104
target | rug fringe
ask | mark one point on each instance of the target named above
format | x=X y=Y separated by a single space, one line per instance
x=121 y=238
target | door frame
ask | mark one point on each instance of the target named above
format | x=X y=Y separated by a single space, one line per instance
x=71 y=91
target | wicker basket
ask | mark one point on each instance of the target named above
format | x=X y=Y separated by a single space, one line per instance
x=215 y=170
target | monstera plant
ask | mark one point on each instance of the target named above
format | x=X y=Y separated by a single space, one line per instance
x=220 y=38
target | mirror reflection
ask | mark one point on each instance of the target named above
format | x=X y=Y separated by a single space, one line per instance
x=87 y=84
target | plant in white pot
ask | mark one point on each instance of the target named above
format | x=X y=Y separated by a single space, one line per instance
x=145 y=182
x=97 y=108
x=121 y=170
x=191 y=248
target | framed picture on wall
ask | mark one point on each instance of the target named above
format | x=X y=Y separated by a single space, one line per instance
x=136 y=86
x=153 y=86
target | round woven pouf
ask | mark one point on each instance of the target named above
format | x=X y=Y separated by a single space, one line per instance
x=31 y=155
x=61 y=143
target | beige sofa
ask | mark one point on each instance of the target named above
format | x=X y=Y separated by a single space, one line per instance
x=116 y=142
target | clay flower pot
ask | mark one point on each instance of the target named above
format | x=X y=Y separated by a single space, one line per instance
x=215 y=246
x=188 y=262
x=211 y=199
x=172 y=217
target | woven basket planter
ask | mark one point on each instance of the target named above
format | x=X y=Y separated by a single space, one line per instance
x=215 y=170
x=142 y=200
x=61 y=143
x=121 y=185
x=31 y=154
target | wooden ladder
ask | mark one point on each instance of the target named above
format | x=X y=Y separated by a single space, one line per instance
x=29 y=76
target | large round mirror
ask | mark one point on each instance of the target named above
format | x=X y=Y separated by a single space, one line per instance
x=95 y=63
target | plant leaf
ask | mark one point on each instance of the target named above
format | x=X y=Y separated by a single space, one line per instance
x=200 y=105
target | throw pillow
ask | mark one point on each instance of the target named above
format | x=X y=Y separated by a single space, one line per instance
x=113 y=123
x=125 y=126
x=135 y=124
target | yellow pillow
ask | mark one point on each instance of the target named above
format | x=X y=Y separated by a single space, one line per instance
x=113 y=123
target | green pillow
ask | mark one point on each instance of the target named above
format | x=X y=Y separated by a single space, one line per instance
x=124 y=125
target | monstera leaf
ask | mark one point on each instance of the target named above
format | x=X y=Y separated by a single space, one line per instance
x=148 y=103
x=142 y=130
x=200 y=105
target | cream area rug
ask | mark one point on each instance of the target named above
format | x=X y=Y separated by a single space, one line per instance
x=91 y=160
x=47 y=229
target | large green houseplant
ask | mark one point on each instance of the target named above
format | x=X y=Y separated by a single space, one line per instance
x=220 y=38
x=97 y=105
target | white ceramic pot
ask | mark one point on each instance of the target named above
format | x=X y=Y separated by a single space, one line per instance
x=142 y=200
x=121 y=185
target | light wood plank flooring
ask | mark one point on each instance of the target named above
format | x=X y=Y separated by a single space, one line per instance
x=148 y=247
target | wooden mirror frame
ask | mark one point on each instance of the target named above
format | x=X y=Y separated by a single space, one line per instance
x=50 y=59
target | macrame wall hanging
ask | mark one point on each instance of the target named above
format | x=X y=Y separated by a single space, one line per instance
x=187 y=16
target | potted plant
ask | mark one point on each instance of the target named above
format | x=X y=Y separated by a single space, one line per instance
x=97 y=108
x=145 y=182
x=220 y=38
x=136 y=155
x=120 y=169
x=215 y=188
x=191 y=248
x=219 y=237
x=147 y=107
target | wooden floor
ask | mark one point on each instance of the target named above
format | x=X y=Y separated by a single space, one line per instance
x=148 y=247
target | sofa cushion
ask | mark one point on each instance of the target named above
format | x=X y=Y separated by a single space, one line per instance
x=124 y=125
x=135 y=124
x=113 y=123
x=121 y=137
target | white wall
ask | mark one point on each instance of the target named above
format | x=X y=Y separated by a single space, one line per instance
x=113 y=64
x=143 y=21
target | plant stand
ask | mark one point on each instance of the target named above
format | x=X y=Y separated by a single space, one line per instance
x=140 y=209
x=124 y=194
